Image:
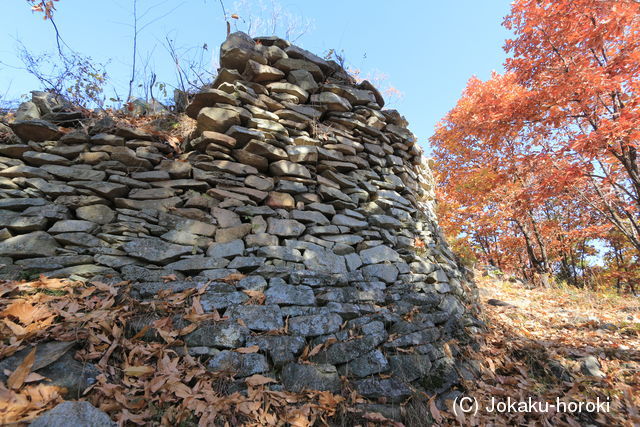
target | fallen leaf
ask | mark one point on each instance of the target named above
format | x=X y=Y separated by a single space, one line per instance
x=256 y=380
x=138 y=371
x=18 y=376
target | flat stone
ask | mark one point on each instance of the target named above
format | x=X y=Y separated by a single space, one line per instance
x=38 y=159
x=385 y=272
x=77 y=414
x=303 y=79
x=23 y=171
x=31 y=245
x=280 y=252
x=253 y=283
x=218 y=300
x=86 y=271
x=291 y=89
x=224 y=235
x=279 y=200
x=243 y=135
x=108 y=190
x=107 y=139
x=332 y=101
x=217 y=119
x=151 y=193
x=233 y=168
x=302 y=153
x=425 y=336
x=285 y=227
x=379 y=254
x=84 y=240
x=312 y=217
x=290 y=295
x=409 y=367
x=73 y=226
x=228 y=249
x=22 y=224
x=266 y=150
x=370 y=363
x=21 y=204
x=247 y=263
x=324 y=260
x=70 y=173
x=257 y=317
x=289 y=64
x=314 y=325
x=195 y=264
x=392 y=389
x=161 y=205
x=297 y=377
x=155 y=250
x=285 y=167
x=262 y=73
x=35 y=130
x=208 y=98
x=347 y=221
x=259 y=183
x=224 y=334
x=241 y=365
x=210 y=137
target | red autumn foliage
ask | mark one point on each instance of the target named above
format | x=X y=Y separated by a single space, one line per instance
x=539 y=166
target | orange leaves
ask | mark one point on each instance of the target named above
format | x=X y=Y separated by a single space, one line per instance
x=18 y=376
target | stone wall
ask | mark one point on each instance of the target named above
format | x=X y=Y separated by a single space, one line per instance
x=297 y=180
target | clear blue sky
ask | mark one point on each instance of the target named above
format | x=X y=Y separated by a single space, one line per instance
x=427 y=48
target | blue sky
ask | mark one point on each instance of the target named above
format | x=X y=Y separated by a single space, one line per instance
x=427 y=49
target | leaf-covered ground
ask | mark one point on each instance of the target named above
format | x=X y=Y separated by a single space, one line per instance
x=533 y=348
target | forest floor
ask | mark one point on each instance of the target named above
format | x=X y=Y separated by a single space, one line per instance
x=534 y=347
x=537 y=345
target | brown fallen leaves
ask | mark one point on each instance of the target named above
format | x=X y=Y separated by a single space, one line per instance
x=533 y=349
x=141 y=382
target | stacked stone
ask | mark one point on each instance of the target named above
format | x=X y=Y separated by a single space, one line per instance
x=296 y=178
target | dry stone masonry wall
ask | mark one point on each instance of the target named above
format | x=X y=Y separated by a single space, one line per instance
x=296 y=178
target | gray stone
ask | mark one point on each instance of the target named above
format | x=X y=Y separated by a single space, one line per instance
x=253 y=283
x=226 y=235
x=591 y=366
x=391 y=389
x=314 y=325
x=285 y=227
x=226 y=250
x=224 y=334
x=290 y=295
x=77 y=414
x=247 y=263
x=385 y=272
x=72 y=226
x=425 y=336
x=370 y=363
x=31 y=245
x=70 y=173
x=257 y=317
x=241 y=365
x=195 y=264
x=285 y=167
x=297 y=377
x=155 y=250
x=409 y=367
x=379 y=254
x=217 y=300
x=280 y=252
